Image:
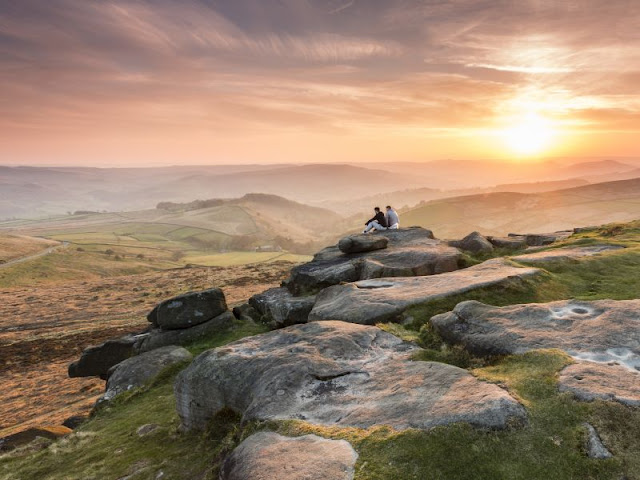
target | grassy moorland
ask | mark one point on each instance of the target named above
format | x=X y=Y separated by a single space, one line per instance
x=18 y=246
x=550 y=446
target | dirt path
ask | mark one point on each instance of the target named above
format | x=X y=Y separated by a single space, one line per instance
x=44 y=252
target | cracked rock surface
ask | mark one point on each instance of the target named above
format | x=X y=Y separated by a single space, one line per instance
x=382 y=300
x=336 y=373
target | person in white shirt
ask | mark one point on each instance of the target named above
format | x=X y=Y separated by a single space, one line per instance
x=393 y=222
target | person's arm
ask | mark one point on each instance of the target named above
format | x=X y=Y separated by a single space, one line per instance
x=369 y=221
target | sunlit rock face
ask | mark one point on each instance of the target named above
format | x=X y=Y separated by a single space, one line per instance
x=269 y=456
x=337 y=373
x=392 y=253
x=386 y=299
x=603 y=335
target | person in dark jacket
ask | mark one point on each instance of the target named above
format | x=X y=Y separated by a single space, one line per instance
x=378 y=222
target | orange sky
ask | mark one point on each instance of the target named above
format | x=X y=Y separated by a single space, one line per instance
x=249 y=81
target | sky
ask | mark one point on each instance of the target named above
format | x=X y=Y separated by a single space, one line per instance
x=141 y=82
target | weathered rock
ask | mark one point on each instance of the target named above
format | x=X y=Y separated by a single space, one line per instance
x=279 y=308
x=336 y=373
x=157 y=338
x=269 y=456
x=27 y=436
x=136 y=371
x=539 y=239
x=384 y=300
x=603 y=330
x=188 y=310
x=595 y=447
x=410 y=252
x=246 y=312
x=74 y=421
x=513 y=243
x=590 y=381
x=474 y=243
x=362 y=243
x=97 y=360
x=584 y=229
x=564 y=254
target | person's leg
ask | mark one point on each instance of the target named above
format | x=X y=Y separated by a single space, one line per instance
x=377 y=226
x=368 y=227
x=395 y=226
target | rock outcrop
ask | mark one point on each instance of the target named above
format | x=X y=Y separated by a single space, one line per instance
x=564 y=254
x=279 y=308
x=474 y=243
x=96 y=361
x=512 y=243
x=158 y=337
x=336 y=373
x=384 y=300
x=410 y=252
x=589 y=381
x=188 y=310
x=177 y=321
x=362 y=243
x=540 y=239
x=603 y=330
x=269 y=456
x=136 y=371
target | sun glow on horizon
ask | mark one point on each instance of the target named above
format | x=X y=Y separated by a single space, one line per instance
x=530 y=135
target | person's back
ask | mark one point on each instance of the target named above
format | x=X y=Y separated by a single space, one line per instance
x=393 y=222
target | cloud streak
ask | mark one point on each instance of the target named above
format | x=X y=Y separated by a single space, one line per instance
x=235 y=81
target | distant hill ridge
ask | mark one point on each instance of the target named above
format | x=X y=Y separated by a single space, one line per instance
x=503 y=212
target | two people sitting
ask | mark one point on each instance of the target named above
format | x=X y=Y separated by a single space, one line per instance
x=380 y=221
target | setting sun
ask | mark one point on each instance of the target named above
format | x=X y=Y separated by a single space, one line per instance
x=531 y=135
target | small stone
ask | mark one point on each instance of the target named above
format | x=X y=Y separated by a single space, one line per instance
x=595 y=447
x=145 y=430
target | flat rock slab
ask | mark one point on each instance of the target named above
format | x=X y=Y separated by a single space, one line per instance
x=602 y=331
x=590 y=381
x=410 y=252
x=269 y=456
x=540 y=239
x=336 y=373
x=136 y=371
x=508 y=242
x=383 y=300
x=563 y=254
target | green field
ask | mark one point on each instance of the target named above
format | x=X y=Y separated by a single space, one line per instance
x=109 y=244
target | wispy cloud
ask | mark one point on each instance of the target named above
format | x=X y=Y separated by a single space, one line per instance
x=262 y=70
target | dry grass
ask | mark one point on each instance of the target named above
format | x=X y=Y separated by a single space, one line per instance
x=16 y=246
x=42 y=330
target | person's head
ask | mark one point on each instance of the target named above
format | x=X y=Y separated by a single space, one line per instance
x=388 y=207
x=377 y=209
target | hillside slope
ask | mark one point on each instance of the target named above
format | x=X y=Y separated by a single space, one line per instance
x=139 y=434
x=502 y=213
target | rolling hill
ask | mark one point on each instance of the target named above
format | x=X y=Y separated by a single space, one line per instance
x=30 y=192
x=226 y=224
x=505 y=212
